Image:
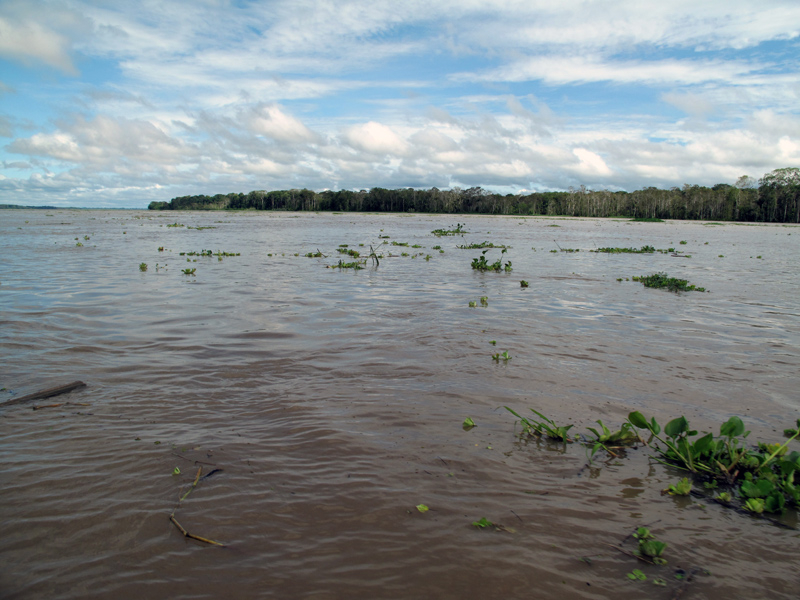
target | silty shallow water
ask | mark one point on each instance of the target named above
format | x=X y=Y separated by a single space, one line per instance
x=332 y=401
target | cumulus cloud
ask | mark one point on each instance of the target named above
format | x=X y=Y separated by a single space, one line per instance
x=33 y=32
x=204 y=98
x=375 y=138
x=272 y=122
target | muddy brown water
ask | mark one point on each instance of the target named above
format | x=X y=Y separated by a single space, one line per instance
x=331 y=402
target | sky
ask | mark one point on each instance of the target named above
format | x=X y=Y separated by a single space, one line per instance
x=115 y=104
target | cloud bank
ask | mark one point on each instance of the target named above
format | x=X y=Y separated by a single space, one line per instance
x=108 y=104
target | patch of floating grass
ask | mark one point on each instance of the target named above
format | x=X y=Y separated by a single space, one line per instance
x=348 y=251
x=673 y=284
x=356 y=265
x=459 y=230
x=642 y=250
x=481 y=264
x=478 y=246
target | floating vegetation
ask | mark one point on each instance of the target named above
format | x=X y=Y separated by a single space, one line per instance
x=504 y=356
x=546 y=427
x=481 y=264
x=399 y=243
x=459 y=230
x=478 y=246
x=210 y=253
x=764 y=475
x=143 y=267
x=662 y=280
x=642 y=250
x=316 y=254
x=437 y=248
x=188 y=271
x=760 y=477
x=683 y=242
x=348 y=251
x=357 y=265
x=523 y=283
x=161 y=248
x=175 y=225
x=199 y=228
x=569 y=249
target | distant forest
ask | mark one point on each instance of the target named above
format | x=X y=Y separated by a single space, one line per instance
x=774 y=198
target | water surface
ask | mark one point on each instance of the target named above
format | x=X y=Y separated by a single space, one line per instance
x=331 y=401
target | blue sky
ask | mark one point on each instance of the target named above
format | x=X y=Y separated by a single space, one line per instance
x=111 y=104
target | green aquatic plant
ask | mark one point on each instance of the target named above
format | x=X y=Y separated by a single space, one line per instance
x=637 y=575
x=458 y=230
x=682 y=488
x=481 y=264
x=349 y=252
x=523 y=283
x=188 y=271
x=143 y=267
x=662 y=280
x=642 y=250
x=764 y=474
x=356 y=265
x=546 y=427
x=468 y=424
x=504 y=356
x=481 y=245
x=649 y=546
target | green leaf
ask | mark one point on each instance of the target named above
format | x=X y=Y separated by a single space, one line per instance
x=755 y=505
x=469 y=423
x=176 y=471
x=733 y=427
x=775 y=502
x=482 y=523
x=704 y=444
x=638 y=420
x=676 y=427
x=422 y=508
x=652 y=548
x=636 y=574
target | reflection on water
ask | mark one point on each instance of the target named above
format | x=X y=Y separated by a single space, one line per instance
x=332 y=403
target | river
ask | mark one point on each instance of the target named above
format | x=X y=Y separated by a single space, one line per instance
x=324 y=405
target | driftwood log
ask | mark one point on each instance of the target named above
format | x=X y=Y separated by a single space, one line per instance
x=48 y=393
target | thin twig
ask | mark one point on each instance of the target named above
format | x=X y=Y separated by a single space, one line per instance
x=191 y=535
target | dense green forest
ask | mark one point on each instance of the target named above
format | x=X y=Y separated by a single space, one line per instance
x=773 y=198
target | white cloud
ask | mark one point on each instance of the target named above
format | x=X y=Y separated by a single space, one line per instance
x=591 y=164
x=274 y=123
x=375 y=138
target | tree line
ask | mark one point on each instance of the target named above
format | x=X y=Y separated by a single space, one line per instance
x=773 y=198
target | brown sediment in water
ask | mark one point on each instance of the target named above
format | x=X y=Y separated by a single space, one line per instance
x=333 y=402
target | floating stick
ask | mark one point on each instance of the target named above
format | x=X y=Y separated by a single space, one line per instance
x=48 y=393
